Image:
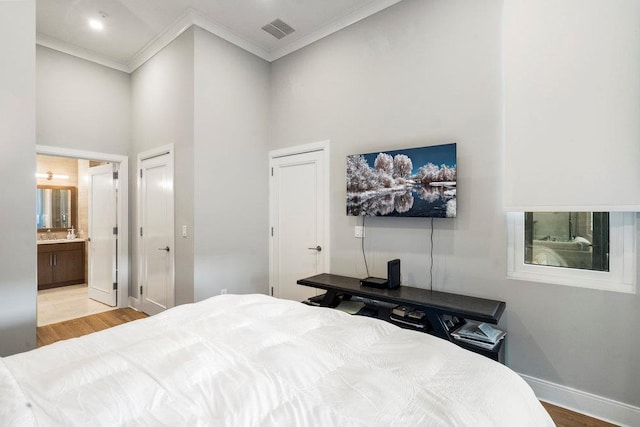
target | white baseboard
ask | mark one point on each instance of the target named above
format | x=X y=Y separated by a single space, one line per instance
x=585 y=403
x=134 y=303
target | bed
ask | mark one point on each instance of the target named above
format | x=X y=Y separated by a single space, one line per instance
x=254 y=360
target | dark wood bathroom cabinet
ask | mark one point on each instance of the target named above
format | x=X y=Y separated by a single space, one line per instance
x=60 y=264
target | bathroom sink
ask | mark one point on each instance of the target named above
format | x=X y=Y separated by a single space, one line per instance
x=48 y=242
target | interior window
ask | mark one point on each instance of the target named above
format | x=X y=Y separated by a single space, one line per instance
x=594 y=250
x=567 y=239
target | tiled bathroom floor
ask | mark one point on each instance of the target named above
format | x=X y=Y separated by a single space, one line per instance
x=66 y=303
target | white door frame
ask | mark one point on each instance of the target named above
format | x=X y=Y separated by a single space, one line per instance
x=324 y=147
x=123 y=208
x=155 y=152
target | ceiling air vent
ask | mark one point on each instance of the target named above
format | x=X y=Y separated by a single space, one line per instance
x=278 y=29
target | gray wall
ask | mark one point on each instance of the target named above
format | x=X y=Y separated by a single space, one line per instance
x=65 y=102
x=162 y=113
x=429 y=72
x=211 y=100
x=17 y=177
x=231 y=189
x=82 y=105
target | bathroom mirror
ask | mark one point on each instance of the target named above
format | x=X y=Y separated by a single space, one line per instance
x=56 y=208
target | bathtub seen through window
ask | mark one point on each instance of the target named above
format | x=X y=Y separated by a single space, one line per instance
x=567 y=239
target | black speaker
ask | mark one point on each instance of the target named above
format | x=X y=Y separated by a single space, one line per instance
x=393 y=273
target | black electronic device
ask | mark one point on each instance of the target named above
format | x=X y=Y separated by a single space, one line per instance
x=391 y=282
x=374 y=282
x=393 y=273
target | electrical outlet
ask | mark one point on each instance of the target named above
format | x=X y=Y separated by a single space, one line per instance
x=184 y=231
x=223 y=291
x=359 y=231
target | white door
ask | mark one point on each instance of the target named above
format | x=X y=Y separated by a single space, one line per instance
x=299 y=200
x=102 y=234
x=156 y=240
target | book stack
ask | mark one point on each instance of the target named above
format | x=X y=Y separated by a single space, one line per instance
x=479 y=334
x=408 y=312
x=412 y=317
x=400 y=310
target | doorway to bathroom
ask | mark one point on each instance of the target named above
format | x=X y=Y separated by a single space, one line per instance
x=82 y=233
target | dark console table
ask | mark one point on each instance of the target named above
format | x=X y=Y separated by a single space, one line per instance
x=439 y=307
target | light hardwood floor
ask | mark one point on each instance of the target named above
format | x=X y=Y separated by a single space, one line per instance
x=86 y=325
x=566 y=418
x=49 y=334
x=66 y=303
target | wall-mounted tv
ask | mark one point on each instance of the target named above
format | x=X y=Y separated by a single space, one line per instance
x=414 y=182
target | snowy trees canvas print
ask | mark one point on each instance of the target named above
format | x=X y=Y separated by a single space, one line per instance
x=416 y=182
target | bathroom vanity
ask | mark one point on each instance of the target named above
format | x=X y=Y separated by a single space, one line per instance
x=60 y=263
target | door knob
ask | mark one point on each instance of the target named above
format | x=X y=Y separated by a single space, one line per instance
x=164 y=249
x=317 y=248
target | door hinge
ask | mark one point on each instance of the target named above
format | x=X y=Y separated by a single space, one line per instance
x=115 y=286
x=272 y=291
x=115 y=175
x=271 y=171
x=271 y=231
x=140 y=231
x=140 y=173
x=140 y=290
x=115 y=230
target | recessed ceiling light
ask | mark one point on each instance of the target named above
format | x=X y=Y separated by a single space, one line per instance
x=96 y=24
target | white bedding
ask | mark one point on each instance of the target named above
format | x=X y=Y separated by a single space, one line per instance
x=254 y=360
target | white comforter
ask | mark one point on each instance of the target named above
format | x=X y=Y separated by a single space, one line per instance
x=254 y=360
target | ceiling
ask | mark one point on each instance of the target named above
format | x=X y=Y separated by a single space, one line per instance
x=136 y=29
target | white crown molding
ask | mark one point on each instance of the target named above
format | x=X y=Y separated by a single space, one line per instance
x=193 y=17
x=224 y=33
x=163 y=39
x=585 y=403
x=333 y=27
x=79 y=52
